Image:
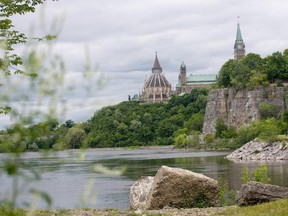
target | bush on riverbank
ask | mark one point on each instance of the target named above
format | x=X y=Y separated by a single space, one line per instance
x=269 y=130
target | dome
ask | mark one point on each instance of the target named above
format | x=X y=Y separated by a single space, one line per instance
x=156 y=87
x=156 y=80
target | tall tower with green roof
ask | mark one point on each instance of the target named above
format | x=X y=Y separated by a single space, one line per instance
x=239 y=46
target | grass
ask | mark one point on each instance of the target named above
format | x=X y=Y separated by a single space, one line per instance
x=276 y=208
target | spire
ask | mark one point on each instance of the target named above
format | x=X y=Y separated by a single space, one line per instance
x=183 y=65
x=239 y=46
x=156 y=66
x=238 y=35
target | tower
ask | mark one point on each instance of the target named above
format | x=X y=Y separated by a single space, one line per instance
x=182 y=75
x=156 y=87
x=239 y=46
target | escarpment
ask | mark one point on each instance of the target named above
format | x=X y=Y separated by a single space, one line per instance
x=240 y=107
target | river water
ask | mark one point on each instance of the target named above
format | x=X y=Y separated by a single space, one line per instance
x=102 y=178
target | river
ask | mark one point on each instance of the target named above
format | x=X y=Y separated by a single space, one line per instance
x=102 y=178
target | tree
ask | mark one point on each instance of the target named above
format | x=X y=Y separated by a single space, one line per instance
x=12 y=64
x=9 y=38
x=257 y=79
x=240 y=76
x=253 y=62
x=224 y=77
x=195 y=123
x=69 y=123
x=74 y=138
x=275 y=66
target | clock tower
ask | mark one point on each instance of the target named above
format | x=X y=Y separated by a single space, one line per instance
x=239 y=46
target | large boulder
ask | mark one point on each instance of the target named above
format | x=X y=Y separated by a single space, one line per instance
x=179 y=188
x=139 y=192
x=255 y=192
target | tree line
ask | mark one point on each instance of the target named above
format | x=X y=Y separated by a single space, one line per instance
x=126 y=124
x=253 y=71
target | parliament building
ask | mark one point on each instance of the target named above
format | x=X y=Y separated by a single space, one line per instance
x=158 y=89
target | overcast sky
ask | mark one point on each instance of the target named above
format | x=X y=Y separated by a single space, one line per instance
x=123 y=35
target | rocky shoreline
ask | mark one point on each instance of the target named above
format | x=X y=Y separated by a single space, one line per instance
x=261 y=150
x=166 y=211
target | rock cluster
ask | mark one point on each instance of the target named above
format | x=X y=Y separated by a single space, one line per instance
x=260 y=150
x=255 y=192
x=173 y=187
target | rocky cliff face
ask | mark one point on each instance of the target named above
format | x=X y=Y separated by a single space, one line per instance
x=239 y=107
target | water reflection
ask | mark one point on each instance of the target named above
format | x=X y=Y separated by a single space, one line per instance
x=65 y=175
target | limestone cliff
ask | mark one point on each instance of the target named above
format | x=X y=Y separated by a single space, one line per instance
x=239 y=107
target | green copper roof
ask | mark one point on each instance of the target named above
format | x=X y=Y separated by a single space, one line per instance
x=211 y=78
x=239 y=35
x=179 y=85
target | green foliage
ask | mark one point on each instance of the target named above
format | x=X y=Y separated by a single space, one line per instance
x=240 y=75
x=279 y=208
x=267 y=130
x=224 y=77
x=180 y=141
x=43 y=72
x=7 y=211
x=193 y=140
x=133 y=124
x=259 y=175
x=209 y=138
x=226 y=197
x=74 y=138
x=220 y=127
x=201 y=200
x=195 y=123
x=253 y=71
x=257 y=79
x=285 y=116
x=268 y=110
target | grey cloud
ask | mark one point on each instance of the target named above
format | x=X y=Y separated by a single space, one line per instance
x=123 y=36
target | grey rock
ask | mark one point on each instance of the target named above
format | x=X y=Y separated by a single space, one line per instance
x=175 y=187
x=260 y=150
x=255 y=192
x=139 y=192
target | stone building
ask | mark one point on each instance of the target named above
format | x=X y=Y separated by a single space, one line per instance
x=186 y=84
x=156 y=87
x=239 y=45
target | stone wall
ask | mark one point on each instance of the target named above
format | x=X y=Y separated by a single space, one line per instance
x=239 y=107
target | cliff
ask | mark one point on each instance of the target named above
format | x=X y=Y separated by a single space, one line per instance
x=239 y=107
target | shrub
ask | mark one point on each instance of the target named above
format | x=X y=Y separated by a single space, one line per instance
x=259 y=175
x=220 y=127
x=268 y=110
x=209 y=138
x=33 y=147
x=226 y=197
x=201 y=200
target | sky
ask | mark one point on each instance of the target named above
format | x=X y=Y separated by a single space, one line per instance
x=119 y=39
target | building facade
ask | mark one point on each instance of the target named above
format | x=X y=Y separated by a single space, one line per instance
x=187 y=84
x=156 y=87
x=239 y=45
